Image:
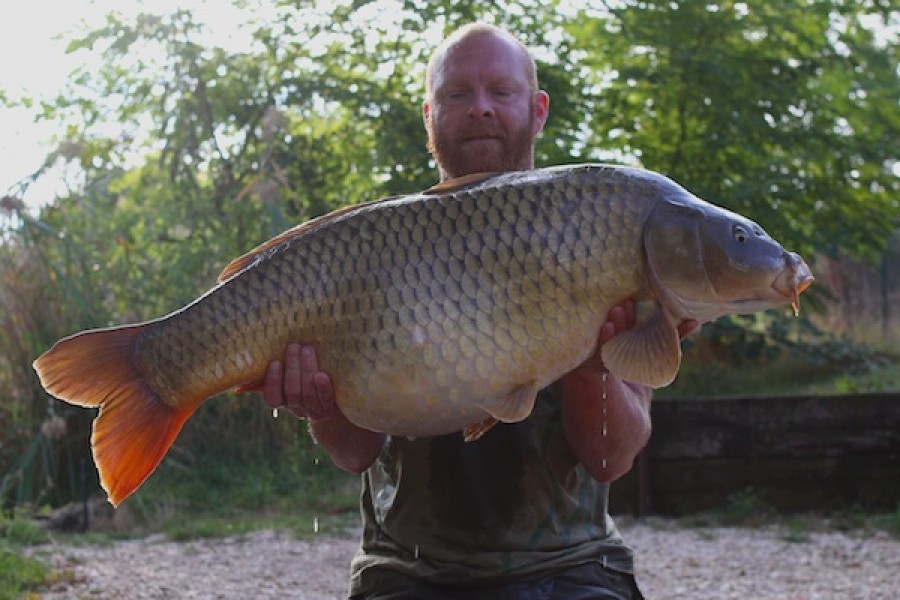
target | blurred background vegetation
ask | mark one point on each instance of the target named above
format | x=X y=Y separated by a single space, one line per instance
x=183 y=154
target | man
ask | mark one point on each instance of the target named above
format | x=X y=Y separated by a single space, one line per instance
x=521 y=513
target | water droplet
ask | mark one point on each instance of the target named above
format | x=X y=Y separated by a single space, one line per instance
x=315 y=524
x=417 y=552
x=604 y=463
x=274 y=413
x=316 y=461
x=604 y=397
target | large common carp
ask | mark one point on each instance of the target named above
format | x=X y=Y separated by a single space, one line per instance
x=434 y=312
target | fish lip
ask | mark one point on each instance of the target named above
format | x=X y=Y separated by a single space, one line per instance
x=794 y=286
x=793 y=280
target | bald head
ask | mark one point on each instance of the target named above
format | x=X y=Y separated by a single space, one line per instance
x=461 y=36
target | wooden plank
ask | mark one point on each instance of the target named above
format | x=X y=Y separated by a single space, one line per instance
x=864 y=424
x=797 y=454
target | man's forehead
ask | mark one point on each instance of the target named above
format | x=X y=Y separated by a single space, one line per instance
x=484 y=56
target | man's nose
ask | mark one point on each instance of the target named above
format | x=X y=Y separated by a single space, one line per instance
x=482 y=106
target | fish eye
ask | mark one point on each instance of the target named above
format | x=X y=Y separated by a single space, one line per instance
x=740 y=234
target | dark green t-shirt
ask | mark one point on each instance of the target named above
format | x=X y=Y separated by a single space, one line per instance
x=512 y=506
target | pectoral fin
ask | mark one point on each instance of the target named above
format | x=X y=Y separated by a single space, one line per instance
x=474 y=432
x=515 y=406
x=509 y=409
x=257 y=385
x=649 y=354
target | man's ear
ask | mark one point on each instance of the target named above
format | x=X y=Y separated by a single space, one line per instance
x=541 y=110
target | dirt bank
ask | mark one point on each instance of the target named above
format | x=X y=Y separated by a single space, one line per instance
x=673 y=562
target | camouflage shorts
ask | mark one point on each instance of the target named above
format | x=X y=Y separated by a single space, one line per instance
x=586 y=582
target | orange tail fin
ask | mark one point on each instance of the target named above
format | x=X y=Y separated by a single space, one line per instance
x=134 y=427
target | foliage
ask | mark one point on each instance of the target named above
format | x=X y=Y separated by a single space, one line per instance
x=186 y=154
x=735 y=360
x=782 y=111
x=21 y=532
x=41 y=441
x=760 y=337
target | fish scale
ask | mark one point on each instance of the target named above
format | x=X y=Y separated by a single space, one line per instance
x=436 y=312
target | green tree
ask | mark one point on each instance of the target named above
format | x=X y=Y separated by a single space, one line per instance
x=784 y=111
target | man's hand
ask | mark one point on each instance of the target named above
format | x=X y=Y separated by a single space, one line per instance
x=622 y=317
x=298 y=385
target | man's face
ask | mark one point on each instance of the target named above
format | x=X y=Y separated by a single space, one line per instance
x=484 y=113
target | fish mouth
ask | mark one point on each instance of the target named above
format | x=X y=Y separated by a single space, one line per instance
x=793 y=280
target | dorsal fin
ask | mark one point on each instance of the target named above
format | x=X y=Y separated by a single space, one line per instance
x=457 y=183
x=242 y=262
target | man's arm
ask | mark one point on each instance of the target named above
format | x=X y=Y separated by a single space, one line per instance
x=607 y=420
x=298 y=385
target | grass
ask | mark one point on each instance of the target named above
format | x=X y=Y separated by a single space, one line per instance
x=888 y=522
x=21 y=532
x=302 y=524
x=20 y=573
x=746 y=509
x=225 y=498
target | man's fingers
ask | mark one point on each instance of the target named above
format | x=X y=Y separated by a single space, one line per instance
x=293 y=376
x=630 y=309
x=272 y=387
x=308 y=361
x=325 y=395
x=298 y=385
x=618 y=316
x=308 y=367
x=607 y=332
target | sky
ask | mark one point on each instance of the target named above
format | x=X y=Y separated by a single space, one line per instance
x=35 y=64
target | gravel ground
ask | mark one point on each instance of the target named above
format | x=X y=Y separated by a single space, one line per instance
x=672 y=563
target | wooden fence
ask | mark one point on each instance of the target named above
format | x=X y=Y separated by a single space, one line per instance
x=799 y=454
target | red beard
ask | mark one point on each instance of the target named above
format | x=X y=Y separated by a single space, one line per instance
x=483 y=149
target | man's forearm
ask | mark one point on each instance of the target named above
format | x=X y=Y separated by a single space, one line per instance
x=351 y=448
x=606 y=422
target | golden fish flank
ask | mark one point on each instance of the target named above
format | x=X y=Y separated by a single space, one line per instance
x=435 y=312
